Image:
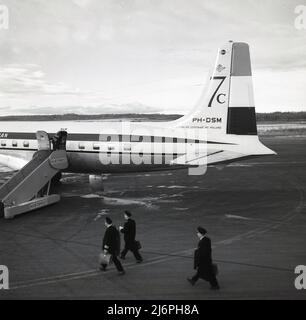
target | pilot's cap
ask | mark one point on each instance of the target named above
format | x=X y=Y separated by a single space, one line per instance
x=202 y=230
x=128 y=213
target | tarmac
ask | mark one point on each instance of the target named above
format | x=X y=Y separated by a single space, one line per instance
x=254 y=210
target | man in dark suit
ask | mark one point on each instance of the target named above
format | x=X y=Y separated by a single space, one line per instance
x=129 y=231
x=203 y=261
x=111 y=245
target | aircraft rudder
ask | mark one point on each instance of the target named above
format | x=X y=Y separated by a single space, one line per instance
x=241 y=119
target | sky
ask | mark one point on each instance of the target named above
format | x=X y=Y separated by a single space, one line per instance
x=146 y=56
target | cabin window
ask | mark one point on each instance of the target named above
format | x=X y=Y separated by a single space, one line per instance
x=109 y=148
x=113 y=138
x=163 y=139
x=14 y=143
x=197 y=141
x=26 y=144
x=174 y=140
x=81 y=145
x=3 y=143
x=96 y=146
x=136 y=138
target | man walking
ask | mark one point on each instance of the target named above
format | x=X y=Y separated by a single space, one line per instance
x=111 y=245
x=129 y=231
x=203 y=261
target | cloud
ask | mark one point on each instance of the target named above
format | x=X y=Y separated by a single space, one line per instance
x=29 y=79
x=82 y=3
x=101 y=109
x=271 y=85
x=95 y=53
x=24 y=88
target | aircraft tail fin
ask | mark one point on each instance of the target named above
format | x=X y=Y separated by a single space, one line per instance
x=227 y=105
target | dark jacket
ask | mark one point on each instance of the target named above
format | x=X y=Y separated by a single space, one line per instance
x=111 y=240
x=203 y=260
x=129 y=231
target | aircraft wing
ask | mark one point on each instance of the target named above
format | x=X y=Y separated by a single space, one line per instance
x=201 y=159
x=11 y=163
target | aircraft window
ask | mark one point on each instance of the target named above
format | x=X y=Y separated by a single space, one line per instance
x=120 y=137
x=96 y=146
x=81 y=145
x=110 y=148
x=197 y=141
x=14 y=143
x=109 y=138
x=163 y=139
x=152 y=138
x=135 y=138
x=141 y=154
x=26 y=144
x=174 y=140
x=3 y=143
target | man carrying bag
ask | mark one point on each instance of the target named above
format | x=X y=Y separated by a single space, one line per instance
x=203 y=261
x=129 y=231
x=111 y=247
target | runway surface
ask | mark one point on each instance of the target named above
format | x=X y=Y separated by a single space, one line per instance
x=255 y=212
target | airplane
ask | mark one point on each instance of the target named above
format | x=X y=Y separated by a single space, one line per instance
x=220 y=129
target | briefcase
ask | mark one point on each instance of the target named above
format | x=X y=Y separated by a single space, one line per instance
x=137 y=245
x=104 y=258
x=215 y=269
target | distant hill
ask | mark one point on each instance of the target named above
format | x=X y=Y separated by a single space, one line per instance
x=73 y=116
x=281 y=116
x=261 y=117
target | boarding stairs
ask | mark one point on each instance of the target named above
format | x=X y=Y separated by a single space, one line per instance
x=29 y=188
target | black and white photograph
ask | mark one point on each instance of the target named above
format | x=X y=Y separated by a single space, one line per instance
x=152 y=150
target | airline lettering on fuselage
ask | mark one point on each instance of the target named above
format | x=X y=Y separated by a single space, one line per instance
x=3 y=135
x=207 y=120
